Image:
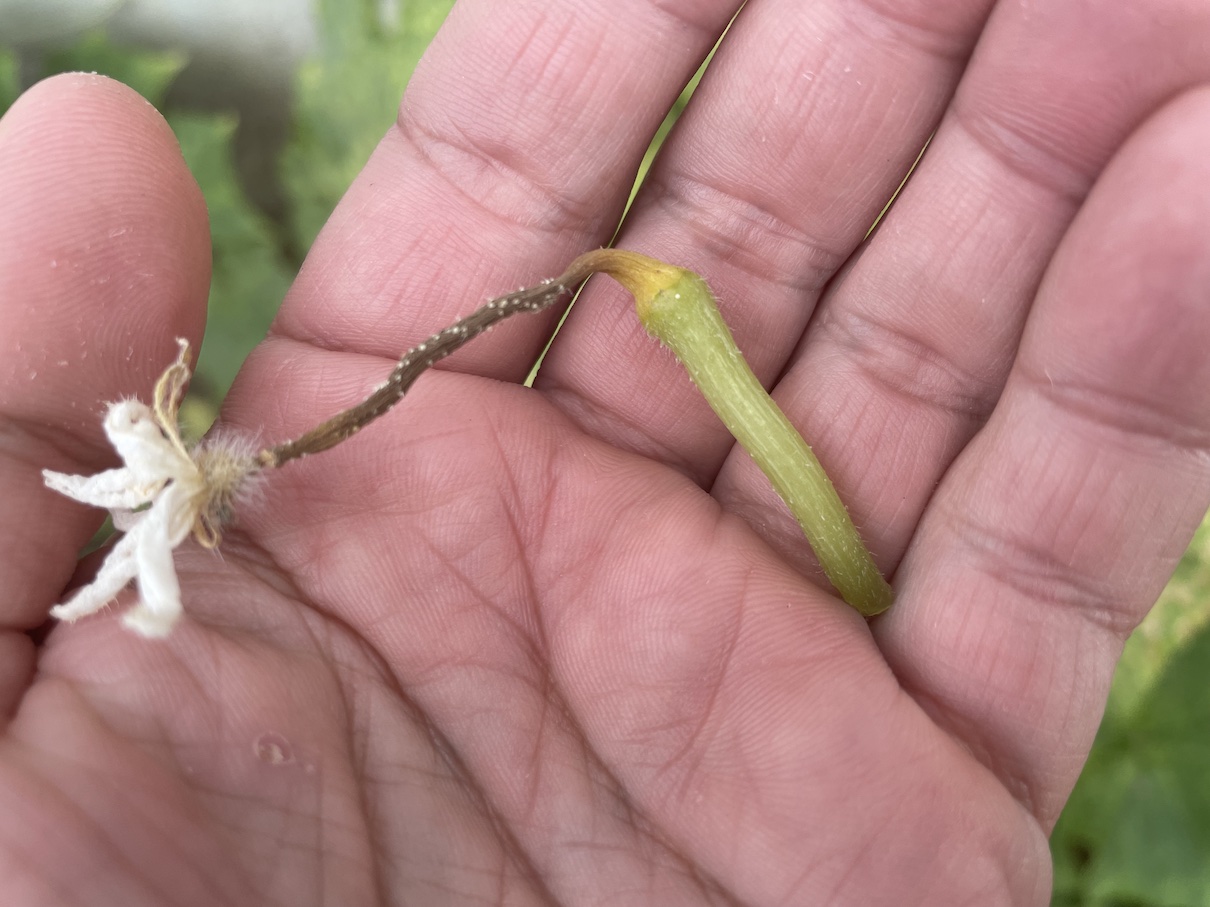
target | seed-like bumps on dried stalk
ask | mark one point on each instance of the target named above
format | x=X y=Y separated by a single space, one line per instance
x=164 y=491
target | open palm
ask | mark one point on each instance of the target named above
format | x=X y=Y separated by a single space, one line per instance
x=562 y=644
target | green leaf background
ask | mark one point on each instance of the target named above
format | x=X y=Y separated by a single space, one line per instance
x=10 y=85
x=346 y=99
x=1136 y=832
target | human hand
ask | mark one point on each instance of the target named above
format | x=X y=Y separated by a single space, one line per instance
x=561 y=645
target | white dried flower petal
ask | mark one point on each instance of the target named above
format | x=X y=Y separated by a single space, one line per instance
x=144 y=552
x=183 y=496
x=159 y=604
x=118 y=570
x=140 y=442
x=114 y=489
x=151 y=624
x=125 y=520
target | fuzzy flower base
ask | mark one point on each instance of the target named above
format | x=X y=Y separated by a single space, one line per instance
x=162 y=493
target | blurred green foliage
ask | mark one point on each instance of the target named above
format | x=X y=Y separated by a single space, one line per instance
x=1136 y=832
x=347 y=97
x=10 y=83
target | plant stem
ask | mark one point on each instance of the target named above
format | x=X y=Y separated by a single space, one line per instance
x=677 y=308
x=414 y=363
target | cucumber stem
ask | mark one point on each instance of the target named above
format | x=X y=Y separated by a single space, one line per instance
x=677 y=308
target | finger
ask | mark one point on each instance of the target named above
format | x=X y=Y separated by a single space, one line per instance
x=1055 y=531
x=514 y=150
x=910 y=351
x=805 y=123
x=104 y=259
